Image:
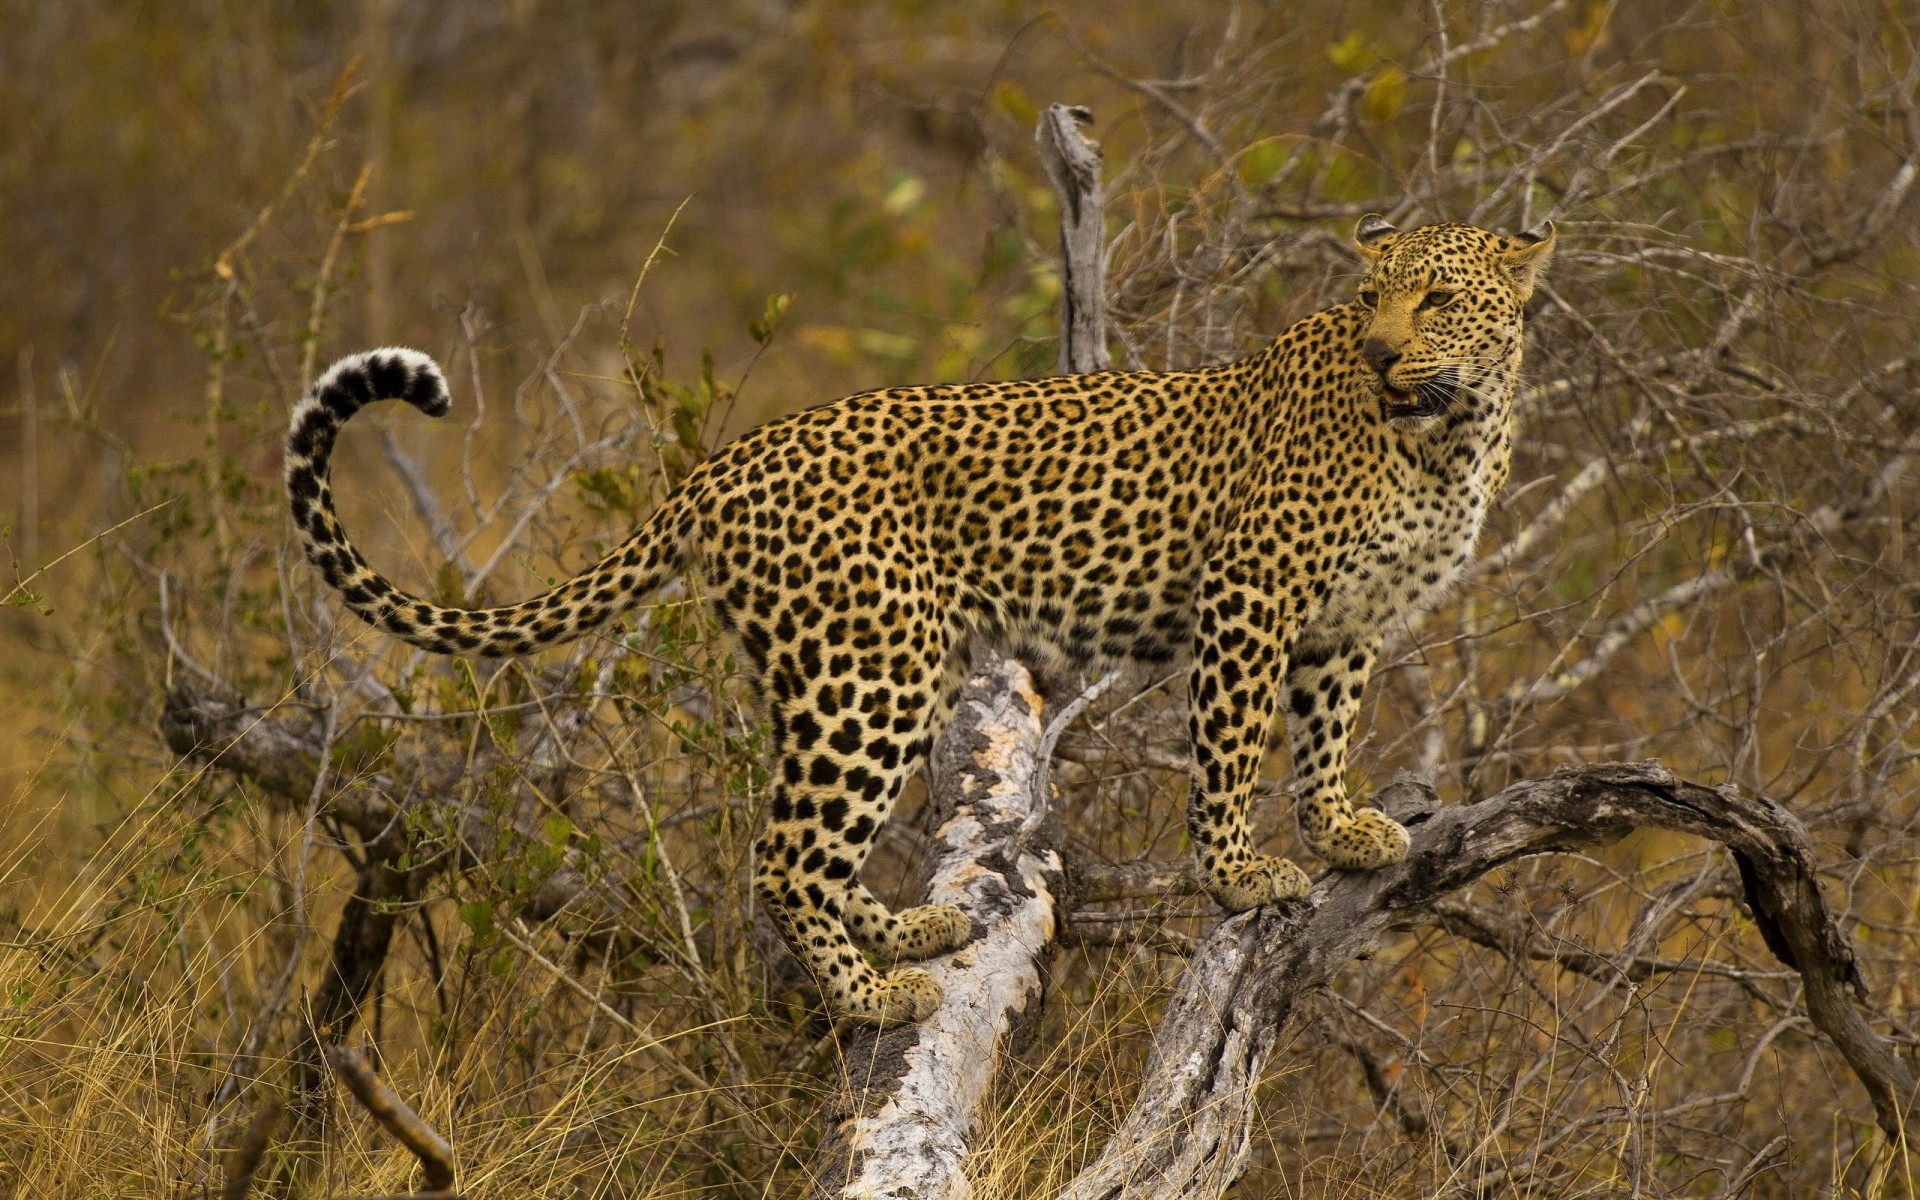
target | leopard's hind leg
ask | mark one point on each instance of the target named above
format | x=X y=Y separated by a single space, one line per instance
x=851 y=722
x=910 y=935
x=925 y=930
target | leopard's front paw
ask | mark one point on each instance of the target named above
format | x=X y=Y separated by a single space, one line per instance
x=928 y=931
x=1369 y=841
x=1264 y=880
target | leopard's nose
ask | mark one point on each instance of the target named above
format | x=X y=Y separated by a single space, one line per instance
x=1379 y=355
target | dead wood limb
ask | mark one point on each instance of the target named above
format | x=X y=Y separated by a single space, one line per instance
x=1073 y=163
x=910 y=1096
x=227 y=733
x=398 y=1118
x=243 y=1162
x=1089 y=880
x=381 y=898
x=1189 y=1132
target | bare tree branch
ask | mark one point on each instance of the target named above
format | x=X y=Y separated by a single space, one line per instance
x=243 y=1162
x=1073 y=163
x=1189 y=1131
x=397 y=1117
x=911 y=1096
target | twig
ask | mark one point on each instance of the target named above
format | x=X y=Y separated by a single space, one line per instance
x=425 y=502
x=19 y=592
x=342 y=88
x=322 y=279
x=1042 y=800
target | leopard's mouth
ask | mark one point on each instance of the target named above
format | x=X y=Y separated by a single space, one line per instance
x=1428 y=399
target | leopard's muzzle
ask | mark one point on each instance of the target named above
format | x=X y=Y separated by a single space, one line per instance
x=1428 y=399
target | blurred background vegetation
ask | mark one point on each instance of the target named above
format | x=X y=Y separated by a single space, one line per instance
x=202 y=202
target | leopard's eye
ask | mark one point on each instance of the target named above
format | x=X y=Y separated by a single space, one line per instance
x=1436 y=299
x=1369 y=298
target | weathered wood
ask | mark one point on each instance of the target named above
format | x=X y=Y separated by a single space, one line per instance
x=1189 y=1131
x=227 y=733
x=1073 y=163
x=399 y=1119
x=910 y=1096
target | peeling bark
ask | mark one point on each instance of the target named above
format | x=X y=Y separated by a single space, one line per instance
x=909 y=1096
x=1073 y=163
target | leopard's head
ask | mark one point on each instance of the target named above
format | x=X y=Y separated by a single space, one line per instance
x=1442 y=307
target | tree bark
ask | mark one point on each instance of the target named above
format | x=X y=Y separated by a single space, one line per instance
x=910 y=1096
x=1073 y=163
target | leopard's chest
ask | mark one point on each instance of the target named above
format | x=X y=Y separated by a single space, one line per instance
x=1421 y=538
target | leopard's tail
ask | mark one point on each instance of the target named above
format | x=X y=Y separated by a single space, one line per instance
x=615 y=584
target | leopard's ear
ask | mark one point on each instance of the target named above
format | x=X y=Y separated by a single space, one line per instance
x=1373 y=235
x=1526 y=255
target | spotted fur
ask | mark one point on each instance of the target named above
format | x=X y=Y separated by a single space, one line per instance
x=1262 y=521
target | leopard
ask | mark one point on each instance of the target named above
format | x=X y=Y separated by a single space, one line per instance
x=1257 y=525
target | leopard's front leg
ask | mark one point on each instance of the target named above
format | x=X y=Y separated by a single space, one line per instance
x=1325 y=675
x=1239 y=660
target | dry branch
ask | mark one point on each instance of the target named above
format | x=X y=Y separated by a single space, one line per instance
x=397 y=1117
x=1189 y=1132
x=243 y=1162
x=227 y=733
x=910 y=1096
x=1073 y=163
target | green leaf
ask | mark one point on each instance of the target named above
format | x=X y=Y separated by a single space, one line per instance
x=478 y=916
x=762 y=328
x=1262 y=161
x=1352 y=53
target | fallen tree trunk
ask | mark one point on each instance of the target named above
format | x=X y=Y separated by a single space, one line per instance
x=910 y=1096
x=1189 y=1132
